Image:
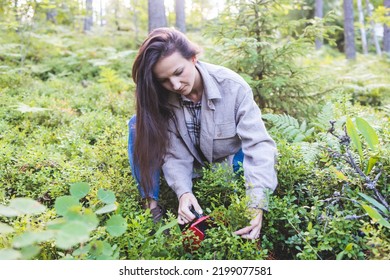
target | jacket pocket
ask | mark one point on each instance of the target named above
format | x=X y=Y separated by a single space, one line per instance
x=225 y=130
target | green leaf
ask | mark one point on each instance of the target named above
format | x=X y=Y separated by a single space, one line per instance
x=376 y=216
x=9 y=212
x=165 y=227
x=29 y=238
x=88 y=218
x=340 y=255
x=79 y=190
x=27 y=206
x=368 y=133
x=71 y=234
x=371 y=163
x=349 y=247
x=10 y=254
x=353 y=134
x=106 y=209
x=29 y=252
x=116 y=225
x=5 y=229
x=375 y=203
x=82 y=250
x=64 y=203
x=108 y=197
x=339 y=174
x=56 y=224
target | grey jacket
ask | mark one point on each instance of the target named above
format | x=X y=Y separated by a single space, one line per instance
x=230 y=120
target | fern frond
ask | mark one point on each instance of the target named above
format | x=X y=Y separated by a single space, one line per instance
x=289 y=127
x=310 y=151
x=324 y=117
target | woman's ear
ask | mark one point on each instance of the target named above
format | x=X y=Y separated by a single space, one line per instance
x=194 y=59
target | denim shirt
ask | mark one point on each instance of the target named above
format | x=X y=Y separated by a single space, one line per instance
x=231 y=120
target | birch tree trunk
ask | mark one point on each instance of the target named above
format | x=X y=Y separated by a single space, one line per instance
x=135 y=19
x=319 y=12
x=362 y=27
x=386 y=31
x=88 y=20
x=349 y=31
x=157 y=17
x=180 y=15
x=372 y=23
x=101 y=13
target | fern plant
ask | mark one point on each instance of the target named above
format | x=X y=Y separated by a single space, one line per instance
x=290 y=127
x=111 y=80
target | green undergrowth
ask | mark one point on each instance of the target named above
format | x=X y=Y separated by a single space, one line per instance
x=63 y=127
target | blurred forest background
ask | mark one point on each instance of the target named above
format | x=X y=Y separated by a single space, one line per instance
x=319 y=70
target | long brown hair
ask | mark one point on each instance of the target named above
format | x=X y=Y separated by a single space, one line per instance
x=152 y=110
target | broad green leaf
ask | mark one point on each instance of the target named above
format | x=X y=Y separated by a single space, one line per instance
x=4 y=228
x=64 y=203
x=10 y=254
x=368 y=133
x=116 y=225
x=27 y=205
x=108 y=197
x=353 y=134
x=83 y=250
x=375 y=203
x=8 y=212
x=340 y=255
x=370 y=164
x=71 y=234
x=56 y=224
x=310 y=226
x=29 y=238
x=101 y=250
x=88 y=218
x=106 y=209
x=376 y=216
x=29 y=252
x=79 y=190
x=25 y=239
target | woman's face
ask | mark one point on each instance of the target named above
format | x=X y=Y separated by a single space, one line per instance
x=177 y=74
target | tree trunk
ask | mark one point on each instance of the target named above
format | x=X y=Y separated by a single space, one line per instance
x=180 y=15
x=157 y=17
x=362 y=27
x=101 y=13
x=386 y=31
x=88 y=20
x=373 y=31
x=319 y=12
x=349 y=31
x=135 y=19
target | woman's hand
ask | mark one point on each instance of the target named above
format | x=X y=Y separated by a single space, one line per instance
x=252 y=231
x=185 y=202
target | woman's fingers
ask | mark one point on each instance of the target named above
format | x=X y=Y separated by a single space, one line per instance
x=187 y=201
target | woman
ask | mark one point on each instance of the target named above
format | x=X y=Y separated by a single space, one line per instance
x=191 y=113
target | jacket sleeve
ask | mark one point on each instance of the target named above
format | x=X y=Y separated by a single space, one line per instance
x=178 y=164
x=259 y=152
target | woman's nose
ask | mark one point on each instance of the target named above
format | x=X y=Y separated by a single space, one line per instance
x=175 y=84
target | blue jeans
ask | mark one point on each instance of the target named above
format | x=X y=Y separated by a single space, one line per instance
x=155 y=190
